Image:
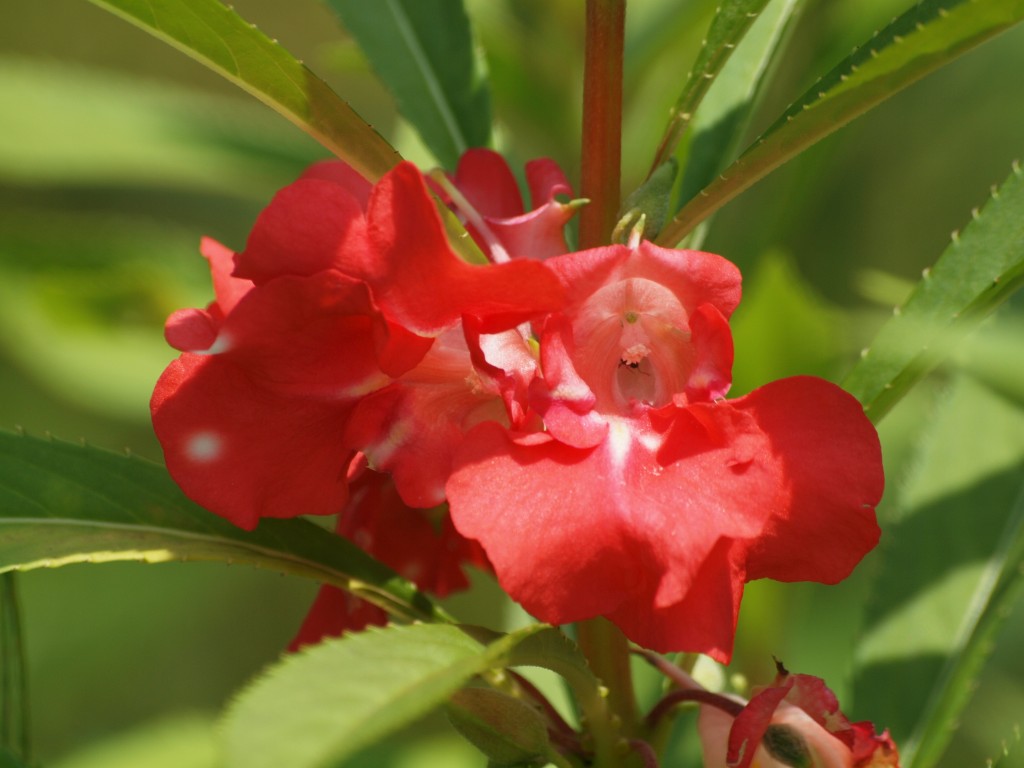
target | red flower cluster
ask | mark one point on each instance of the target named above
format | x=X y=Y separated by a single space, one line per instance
x=568 y=407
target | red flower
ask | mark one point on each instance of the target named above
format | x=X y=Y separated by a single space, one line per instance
x=591 y=454
x=340 y=291
x=794 y=722
x=648 y=499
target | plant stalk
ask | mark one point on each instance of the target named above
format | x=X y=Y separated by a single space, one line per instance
x=607 y=650
x=600 y=163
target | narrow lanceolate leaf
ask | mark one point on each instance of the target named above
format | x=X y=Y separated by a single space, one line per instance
x=730 y=23
x=717 y=127
x=322 y=705
x=999 y=588
x=423 y=51
x=979 y=270
x=929 y=35
x=952 y=567
x=213 y=34
x=62 y=503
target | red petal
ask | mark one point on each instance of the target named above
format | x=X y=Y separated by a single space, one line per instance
x=420 y=544
x=544 y=520
x=195 y=330
x=421 y=284
x=829 y=454
x=694 y=277
x=413 y=427
x=562 y=398
x=306 y=228
x=314 y=336
x=342 y=174
x=333 y=613
x=246 y=453
x=227 y=288
x=546 y=180
x=750 y=725
x=485 y=180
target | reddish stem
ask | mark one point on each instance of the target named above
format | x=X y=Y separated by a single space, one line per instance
x=600 y=164
x=668 y=703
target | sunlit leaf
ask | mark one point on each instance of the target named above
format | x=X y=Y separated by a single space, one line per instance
x=717 y=127
x=930 y=34
x=213 y=34
x=979 y=270
x=62 y=503
x=423 y=51
x=129 y=134
x=951 y=566
x=326 y=703
x=731 y=21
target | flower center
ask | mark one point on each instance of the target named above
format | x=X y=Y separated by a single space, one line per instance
x=632 y=343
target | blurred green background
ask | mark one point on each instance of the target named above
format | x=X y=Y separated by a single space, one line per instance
x=117 y=153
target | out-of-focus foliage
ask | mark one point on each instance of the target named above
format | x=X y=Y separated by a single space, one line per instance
x=117 y=153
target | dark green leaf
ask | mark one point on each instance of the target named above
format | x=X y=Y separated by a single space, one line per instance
x=326 y=703
x=423 y=51
x=979 y=270
x=951 y=567
x=932 y=33
x=213 y=34
x=731 y=21
x=62 y=503
x=14 y=705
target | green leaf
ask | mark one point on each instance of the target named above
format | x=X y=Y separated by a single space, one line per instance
x=423 y=51
x=507 y=730
x=731 y=21
x=718 y=126
x=930 y=34
x=979 y=270
x=326 y=703
x=62 y=503
x=951 y=568
x=213 y=34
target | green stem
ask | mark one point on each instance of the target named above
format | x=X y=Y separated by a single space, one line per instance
x=600 y=163
x=14 y=719
x=607 y=650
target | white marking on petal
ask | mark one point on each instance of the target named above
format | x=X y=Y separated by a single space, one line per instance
x=204 y=447
x=651 y=442
x=222 y=343
x=619 y=441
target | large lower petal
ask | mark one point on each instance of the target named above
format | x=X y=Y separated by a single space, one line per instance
x=659 y=526
x=244 y=452
x=831 y=459
x=541 y=511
